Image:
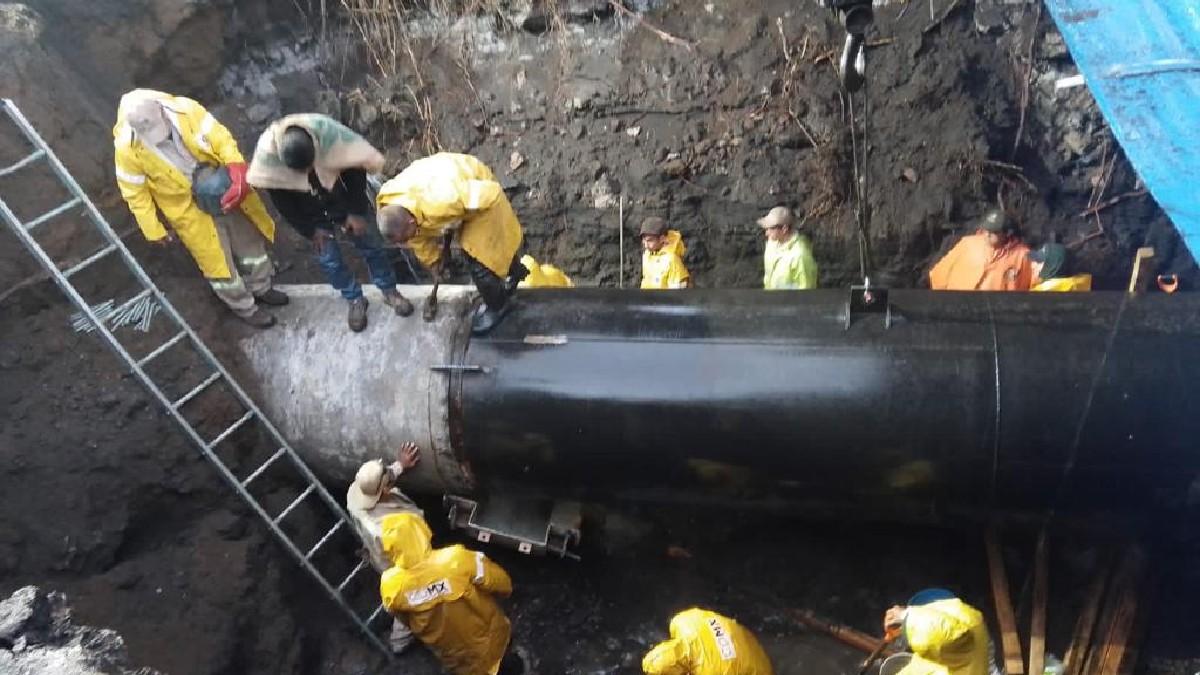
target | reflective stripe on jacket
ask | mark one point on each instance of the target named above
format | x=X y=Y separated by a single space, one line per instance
x=150 y=183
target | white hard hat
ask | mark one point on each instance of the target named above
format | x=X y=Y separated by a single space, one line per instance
x=146 y=119
x=368 y=486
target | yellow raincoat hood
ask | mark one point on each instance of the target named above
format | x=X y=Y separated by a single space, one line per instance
x=406 y=539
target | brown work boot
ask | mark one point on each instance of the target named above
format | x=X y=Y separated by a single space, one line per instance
x=272 y=297
x=397 y=302
x=358 y=314
x=259 y=319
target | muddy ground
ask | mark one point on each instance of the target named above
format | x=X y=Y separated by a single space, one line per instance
x=103 y=499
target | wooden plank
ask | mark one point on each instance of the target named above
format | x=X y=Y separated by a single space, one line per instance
x=1010 y=641
x=1085 y=625
x=1143 y=270
x=1120 y=640
x=1037 y=622
x=845 y=634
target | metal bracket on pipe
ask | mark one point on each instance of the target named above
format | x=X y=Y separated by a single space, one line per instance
x=531 y=526
x=457 y=368
x=867 y=299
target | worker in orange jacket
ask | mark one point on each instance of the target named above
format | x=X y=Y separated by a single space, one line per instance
x=992 y=259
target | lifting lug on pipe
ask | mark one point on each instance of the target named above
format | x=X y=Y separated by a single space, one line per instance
x=453 y=368
x=868 y=299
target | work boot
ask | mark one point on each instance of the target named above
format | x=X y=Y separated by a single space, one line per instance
x=272 y=297
x=397 y=302
x=259 y=319
x=486 y=318
x=358 y=314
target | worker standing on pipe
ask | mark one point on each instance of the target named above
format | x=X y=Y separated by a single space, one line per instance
x=992 y=259
x=450 y=194
x=706 y=643
x=372 y=496
x=1049 y=266
x=447 y=596
x=946 y=635
x=662 y=256
x=160 y=142
x=315 y=171
x=788 y=262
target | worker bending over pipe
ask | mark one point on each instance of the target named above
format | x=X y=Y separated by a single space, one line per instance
x=945 y=635
x=450 y=194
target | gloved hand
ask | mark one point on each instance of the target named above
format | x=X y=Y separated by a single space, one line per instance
x=238 y=188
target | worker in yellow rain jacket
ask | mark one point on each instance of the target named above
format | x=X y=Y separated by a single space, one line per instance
x=662 y=256
x=946 y=636
x=1049 y=263
x=447 y=597
x=706 y=643
x=788 y=262
x=450 y=194
x=543 y=275
x=162 y=145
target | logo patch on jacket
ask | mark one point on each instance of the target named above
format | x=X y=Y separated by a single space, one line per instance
x=724 y=642
x=430 y=593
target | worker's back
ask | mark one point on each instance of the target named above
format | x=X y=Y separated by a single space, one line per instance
x=446 y=596
x=947 y=637
x=706 y=643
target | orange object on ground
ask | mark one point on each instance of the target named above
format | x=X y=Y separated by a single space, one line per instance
x=973 y=265
x=1168 y=283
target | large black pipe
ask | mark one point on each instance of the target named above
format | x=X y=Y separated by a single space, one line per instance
x=971 y=399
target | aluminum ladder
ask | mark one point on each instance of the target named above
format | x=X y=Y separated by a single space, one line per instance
x=23 y=231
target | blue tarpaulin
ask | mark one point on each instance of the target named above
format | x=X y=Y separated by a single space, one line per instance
x=1141 y=60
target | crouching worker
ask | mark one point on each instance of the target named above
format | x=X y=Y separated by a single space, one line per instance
x=372 y=496
x=706 y=643
x=946 y=635
x=448 y=598
x=449 y=194
x=1050 y=270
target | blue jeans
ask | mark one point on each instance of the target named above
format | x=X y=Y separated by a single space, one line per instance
x=341 y=277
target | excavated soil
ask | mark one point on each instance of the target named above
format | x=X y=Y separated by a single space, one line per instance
x=102 y=498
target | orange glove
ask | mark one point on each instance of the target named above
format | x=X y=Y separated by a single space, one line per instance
x=238 y=188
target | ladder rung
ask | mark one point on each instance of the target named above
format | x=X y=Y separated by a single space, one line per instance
x=199 y=388
x=230 y=429
x=324 y=539
x=53 y=212
x=161 y=348
x=91 y=259
x=362 y=564
x=374 y=615
x=263 y=467
x=296 y=502
x=37 y=154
